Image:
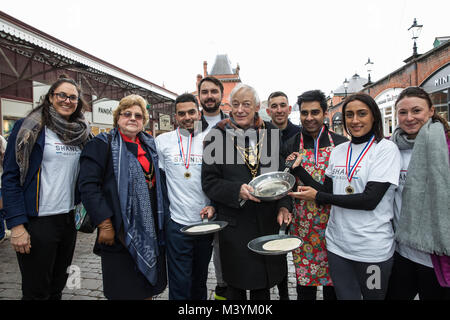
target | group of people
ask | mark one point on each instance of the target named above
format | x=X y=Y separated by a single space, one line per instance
x=373 y=212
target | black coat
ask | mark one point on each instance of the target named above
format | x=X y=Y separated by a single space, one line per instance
x=98 y=188
x=241 y=267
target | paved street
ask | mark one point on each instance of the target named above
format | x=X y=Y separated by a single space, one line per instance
x=90 y=286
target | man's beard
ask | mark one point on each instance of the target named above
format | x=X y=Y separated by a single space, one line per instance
x=211 y=109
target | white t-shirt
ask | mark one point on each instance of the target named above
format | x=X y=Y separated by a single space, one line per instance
x=404 y=250
x=362 y=235
x=212 y=121
x=59 y=172
x=186 y=196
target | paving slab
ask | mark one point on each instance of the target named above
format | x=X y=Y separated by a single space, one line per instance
x=89 y=267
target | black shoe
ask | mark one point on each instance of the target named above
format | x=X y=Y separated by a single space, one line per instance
x=284 y=297
x=220 y=293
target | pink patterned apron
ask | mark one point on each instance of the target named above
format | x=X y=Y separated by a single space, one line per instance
x=310 y=260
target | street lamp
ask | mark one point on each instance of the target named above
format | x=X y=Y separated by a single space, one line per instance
x=346 y=86
x=331 y=98
x=369 y=70
x=415 y=30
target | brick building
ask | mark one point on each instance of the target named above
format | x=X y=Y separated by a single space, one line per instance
x=223 y=71
x=430 y=70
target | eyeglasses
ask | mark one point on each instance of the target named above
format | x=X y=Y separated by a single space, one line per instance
x=63 y=97
x=245 y=104
x=128 y=114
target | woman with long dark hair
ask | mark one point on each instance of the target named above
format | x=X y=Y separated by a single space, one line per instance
x=360 y=184
x=41 y=167
x=422 y=199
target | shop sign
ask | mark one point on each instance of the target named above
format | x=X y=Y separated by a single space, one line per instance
x=439 y=81
x=388 y=97
x=39 y=92
x=164 y=122
x=102 y=111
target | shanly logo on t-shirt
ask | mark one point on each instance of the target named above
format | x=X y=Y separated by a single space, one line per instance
x=66 y=150
x=195 y=159
x=340 y=173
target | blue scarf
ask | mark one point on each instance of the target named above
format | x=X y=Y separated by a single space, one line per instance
x=135 y=206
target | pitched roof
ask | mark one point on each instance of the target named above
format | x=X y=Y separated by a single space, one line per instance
x=222 y=65
x=355 y=84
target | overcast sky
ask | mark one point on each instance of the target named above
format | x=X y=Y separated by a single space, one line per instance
x=291 y=46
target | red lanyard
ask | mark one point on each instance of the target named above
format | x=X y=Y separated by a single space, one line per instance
x=186 y=162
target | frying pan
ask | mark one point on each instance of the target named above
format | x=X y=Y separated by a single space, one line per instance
x=273 y=185
x=256 y=245
x=220 y=226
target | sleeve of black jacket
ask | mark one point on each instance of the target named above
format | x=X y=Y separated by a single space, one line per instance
x=367 y=200
x=214 y=184
x=92 y=167
x=286 y=201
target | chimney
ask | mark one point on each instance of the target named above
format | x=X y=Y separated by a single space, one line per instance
x=237 y=69
x=199 y=78
x=205 y=68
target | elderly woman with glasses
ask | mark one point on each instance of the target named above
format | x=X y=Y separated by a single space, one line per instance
x=40 y=171
x=122 y=191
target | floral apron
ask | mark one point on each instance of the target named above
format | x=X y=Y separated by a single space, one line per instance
x=310 y=259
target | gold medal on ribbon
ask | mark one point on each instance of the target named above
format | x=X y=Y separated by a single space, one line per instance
x=349 y=190
x=186 y=158
x=349 y=170
x=316 y=175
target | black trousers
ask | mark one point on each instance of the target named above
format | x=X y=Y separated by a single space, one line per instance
x=188 y=258
x=409 y=279
x=44 y=269
x=354 y=280
x=310 y=293
x=241 y=294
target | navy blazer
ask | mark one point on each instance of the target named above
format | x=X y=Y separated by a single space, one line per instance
x=21 y=202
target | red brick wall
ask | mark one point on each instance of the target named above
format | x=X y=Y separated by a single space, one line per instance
x=414 y=73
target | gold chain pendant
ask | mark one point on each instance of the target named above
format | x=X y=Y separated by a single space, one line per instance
x=252 y=157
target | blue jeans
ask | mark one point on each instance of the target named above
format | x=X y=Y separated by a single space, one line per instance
x=188 y=259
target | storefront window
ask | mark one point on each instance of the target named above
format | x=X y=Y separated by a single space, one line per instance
x=338 y=126
x=440 y=102
x=8 y=124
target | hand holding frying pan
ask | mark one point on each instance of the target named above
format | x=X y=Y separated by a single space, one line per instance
x=271 y=186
